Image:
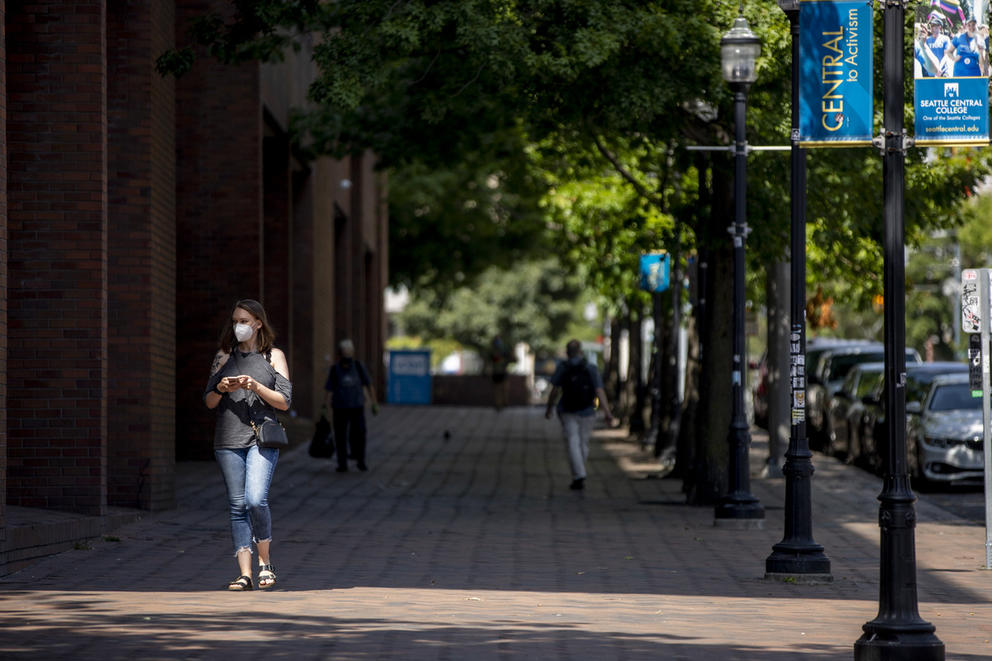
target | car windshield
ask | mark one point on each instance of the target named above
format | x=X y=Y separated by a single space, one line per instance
x=954 y=397
x=840 y=365
x=813 y=358
x=868 y=383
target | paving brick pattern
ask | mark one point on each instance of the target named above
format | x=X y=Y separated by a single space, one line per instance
x=469 y=545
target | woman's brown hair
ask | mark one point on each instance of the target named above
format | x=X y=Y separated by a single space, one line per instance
x=266 y=336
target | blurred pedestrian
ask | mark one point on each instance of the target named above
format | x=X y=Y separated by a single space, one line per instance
x=348 y=385
x=499 y=360
x=249 y=382
x=576 y=387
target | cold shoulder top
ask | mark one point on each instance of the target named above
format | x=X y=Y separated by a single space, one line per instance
x=238 y=408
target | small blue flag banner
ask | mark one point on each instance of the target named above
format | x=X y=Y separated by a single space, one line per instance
x=654 y=272
x=835 y=73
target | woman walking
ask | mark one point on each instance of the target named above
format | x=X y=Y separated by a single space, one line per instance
x=249 y=381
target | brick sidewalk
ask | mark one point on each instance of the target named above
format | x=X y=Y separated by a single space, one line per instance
x=472 y=547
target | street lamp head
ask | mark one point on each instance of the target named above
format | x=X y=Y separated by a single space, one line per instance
x=739 y=49
x=788 y=5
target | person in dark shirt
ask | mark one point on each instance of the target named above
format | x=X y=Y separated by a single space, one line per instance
x=577 y=389
x=348 y=385
x=249 y=381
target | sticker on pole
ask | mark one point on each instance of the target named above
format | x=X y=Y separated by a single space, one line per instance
x=971 y=310
x=975 y=365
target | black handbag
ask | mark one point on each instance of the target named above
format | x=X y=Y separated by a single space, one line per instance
x=322 y=443
x=270 y=434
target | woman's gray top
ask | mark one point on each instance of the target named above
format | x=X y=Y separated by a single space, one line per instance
x=238 y=408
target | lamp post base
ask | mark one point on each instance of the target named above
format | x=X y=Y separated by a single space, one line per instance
x=741 y=513
x=805 y=578
x=798 y=563
x=898 y=646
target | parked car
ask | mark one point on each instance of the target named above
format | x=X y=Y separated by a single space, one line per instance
x=828 y=377
x=944 y=437
x=873 y=431
x=847 y=407
x=815 y=347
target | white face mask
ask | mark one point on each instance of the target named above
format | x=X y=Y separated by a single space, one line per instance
x=243 y=332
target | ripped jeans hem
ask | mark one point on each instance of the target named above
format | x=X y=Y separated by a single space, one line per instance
x=247 y=549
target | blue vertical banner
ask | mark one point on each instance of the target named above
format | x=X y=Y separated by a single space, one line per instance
x=951 y=72
x=835 y=73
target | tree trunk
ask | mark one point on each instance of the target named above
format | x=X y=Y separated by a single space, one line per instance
x=777 y=362
x=611 y=371
x=634 y=387
x=685 y=451
x=665 y=448
x=662 y=383
x=710 y=425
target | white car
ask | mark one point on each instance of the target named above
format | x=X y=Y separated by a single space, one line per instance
x=945 y=433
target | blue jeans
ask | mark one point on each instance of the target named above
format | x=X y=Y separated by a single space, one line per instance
x=247 y=475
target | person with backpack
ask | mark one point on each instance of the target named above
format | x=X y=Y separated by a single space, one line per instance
x=576 y=388
x=348 y=385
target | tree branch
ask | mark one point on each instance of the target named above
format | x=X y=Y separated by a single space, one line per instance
x=622 y=171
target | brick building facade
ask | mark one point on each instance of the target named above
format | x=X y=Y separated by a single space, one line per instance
x=134 y=210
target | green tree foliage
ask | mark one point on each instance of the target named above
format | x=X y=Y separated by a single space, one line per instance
x=500 y=119
x=975 y=235
x=449 y=223
x=535 y=302
x=931 y=271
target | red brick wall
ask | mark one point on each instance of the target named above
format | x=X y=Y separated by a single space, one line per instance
x=476 y=390
x=303 y=362
x=57 y=242
x=141 y=257
x=325 y=178
x=3 y=273
x=277 y=238
x=358 y=266
x=219 y=220
x=359 y=270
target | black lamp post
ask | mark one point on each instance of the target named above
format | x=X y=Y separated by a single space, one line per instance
x=898 y=631
x=797 y=555
x=739 y=48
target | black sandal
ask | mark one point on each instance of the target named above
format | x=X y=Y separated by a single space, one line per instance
x=240 y=584
x=266 y=573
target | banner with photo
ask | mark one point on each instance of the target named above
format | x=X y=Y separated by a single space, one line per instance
x=835 y=73
x=951 y=71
